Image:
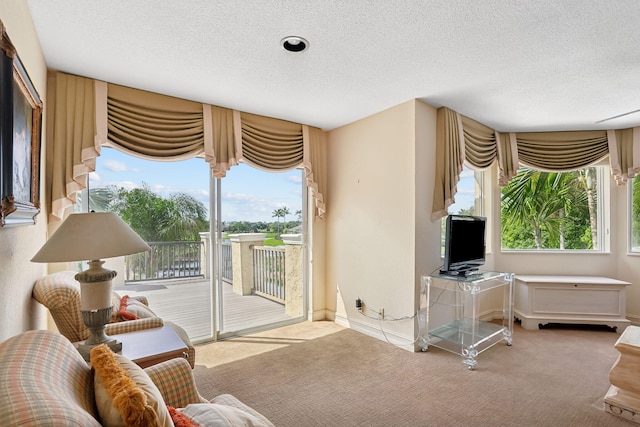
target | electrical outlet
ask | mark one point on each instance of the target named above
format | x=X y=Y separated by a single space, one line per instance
x=381 y=313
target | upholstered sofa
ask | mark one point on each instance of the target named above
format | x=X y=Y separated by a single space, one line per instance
x=60 y=293
x=44 y=381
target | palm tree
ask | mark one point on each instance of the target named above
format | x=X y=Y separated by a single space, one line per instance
x=588 y=179
x=100 y=198
x=281 y=213
x=154 y=218
x=285 y=212
x=277 y=213
x=635 y=212
x=539 y=201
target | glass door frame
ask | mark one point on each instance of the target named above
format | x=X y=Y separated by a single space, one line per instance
x=216 y=263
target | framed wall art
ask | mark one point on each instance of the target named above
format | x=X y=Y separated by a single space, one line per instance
x=20 y=139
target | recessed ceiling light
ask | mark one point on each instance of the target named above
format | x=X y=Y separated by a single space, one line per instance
x=294 y=44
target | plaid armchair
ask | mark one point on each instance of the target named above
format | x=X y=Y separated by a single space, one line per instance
x=45 y=381
x=60 y=293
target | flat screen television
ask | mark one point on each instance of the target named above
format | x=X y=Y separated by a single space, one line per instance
x=464 y=244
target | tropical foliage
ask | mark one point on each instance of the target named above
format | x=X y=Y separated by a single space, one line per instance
x=259 y=226
x=179 y=217
x=635 y=214
x=550 y=210
x=281 y=213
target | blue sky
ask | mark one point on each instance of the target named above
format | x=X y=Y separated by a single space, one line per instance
x=466 y=192
x=248 y=194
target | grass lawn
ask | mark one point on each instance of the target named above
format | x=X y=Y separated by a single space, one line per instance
x=270 y=240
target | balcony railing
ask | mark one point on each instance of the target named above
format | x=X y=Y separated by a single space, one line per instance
x=268 y=272
x=227 y=262
x=165 y=260
x=173 y=260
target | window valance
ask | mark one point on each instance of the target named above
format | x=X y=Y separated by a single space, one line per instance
x=459 y=138
x=88 y=114
x=271 y=144
x=152 y=125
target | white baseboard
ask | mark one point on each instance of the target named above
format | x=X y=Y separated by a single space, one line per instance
x=490 y=315
x=317 y=315
x=373 y=330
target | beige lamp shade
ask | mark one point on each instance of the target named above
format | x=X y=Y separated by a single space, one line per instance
x=91 y=236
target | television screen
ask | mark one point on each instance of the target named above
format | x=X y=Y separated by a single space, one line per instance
x=464 y=247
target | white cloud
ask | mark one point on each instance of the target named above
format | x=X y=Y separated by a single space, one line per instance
x=241 y=198
x=295 y=179
x=161 y=189
x=249 y=207
x=198 y=193
x=466 y=173
x=115 y=166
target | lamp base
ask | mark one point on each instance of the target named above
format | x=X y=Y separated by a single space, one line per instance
x=85 y=349
x=95 y=320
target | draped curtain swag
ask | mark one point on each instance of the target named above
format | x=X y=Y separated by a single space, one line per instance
x=460 y=138
x=480 y=148
x=561 y=151
x=314 y=164
x=507 y=157
x=449 y=160
x=154 y=126
x=72 y=145
x=624 y=153
x=89 y=114
x=271 y=144
x=220 y=146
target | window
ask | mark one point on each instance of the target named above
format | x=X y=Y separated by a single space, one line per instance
x=634 y=215
x=468 y=198
x=553 y=210
x=469 y=194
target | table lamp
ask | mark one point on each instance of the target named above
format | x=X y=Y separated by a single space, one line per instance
x=91 y=237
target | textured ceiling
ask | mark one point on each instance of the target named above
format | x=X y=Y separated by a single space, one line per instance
x=512 y=65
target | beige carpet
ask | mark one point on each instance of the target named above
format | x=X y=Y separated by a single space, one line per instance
x=320 y=374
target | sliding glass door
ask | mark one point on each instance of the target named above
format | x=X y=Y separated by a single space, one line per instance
x=167 y=204
x=259 y=249
x=228 y=255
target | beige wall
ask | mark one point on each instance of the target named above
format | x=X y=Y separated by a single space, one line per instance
x=379 y=197
x=18 y=311
x=427 y=234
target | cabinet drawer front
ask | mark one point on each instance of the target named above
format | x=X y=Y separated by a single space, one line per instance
x=583 y=301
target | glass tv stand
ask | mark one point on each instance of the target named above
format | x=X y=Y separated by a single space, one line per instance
x=449 y=315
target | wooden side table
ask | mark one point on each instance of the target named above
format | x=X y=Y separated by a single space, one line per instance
x=148 y=347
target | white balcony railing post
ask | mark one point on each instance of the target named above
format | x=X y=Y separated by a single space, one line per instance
x=242 y=255
x=205 y=268
x=293 y=274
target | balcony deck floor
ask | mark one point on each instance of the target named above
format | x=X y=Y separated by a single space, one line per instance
x=187 y=302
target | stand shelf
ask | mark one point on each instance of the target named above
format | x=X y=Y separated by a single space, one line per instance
x=449 y=313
